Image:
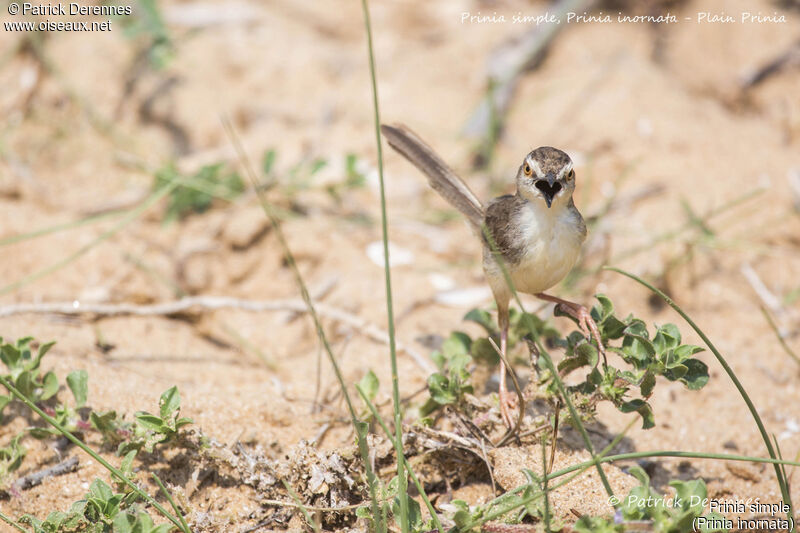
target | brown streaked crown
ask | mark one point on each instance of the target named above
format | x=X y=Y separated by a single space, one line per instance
x=550 y=160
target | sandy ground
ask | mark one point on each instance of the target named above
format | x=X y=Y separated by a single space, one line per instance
x=635 y=105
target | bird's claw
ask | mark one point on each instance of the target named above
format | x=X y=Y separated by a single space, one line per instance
x=586 y=324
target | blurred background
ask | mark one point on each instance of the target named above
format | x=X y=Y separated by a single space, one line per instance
x=686 y=138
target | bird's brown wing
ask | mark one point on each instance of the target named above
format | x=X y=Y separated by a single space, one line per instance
x=441 y=178
x=507 y=235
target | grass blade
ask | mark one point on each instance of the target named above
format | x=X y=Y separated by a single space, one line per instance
x=398 y=422
x=168 y=496
x=411 y=473
x=782 y=482
x=287 y=252
x=781 y=340
x=10 y=521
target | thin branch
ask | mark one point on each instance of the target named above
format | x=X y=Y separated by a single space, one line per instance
x=210 y=303
x=32 y=480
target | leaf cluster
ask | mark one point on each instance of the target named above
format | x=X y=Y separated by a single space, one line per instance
x=199 y=189
x=653 y=511
x=100 y=511
x=648 y=357
x=147 y=429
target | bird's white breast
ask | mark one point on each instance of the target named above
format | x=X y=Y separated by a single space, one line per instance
x=554 y=238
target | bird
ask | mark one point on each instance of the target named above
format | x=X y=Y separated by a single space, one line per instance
x=537 y=233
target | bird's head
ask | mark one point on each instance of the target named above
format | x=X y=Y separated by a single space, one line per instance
x=546 y=175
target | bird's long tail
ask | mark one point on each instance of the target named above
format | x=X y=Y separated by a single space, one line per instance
x=440 y=176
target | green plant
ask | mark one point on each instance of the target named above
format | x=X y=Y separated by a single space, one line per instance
x=11 y=457
x=652 y=511
x=198 y=191
x=662 y=355
x=23 y=371
x=147 y=429
x=68 y=417
x=452 y=381
x=100 y=511
x=147 y=24
x=648 y=357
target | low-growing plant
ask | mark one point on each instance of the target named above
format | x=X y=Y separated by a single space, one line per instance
x=648 y=357
x=200 y=189
x=147 y=429
x=100 y=511
x=646 y=509
x=23 y=371
x=301 y=175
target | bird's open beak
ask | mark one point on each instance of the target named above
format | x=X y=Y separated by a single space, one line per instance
x=549 y=187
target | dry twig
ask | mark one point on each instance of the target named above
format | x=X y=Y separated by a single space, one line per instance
x=210 y=303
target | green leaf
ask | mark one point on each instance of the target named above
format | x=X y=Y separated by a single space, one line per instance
x=77 y=381
x=612 y=328
x=648 y=384
x=691 y=494
x=606 y=308
x=457 y=344
x=676 y=372
x=4 y=400
x=268 y=161
x=179 y=423
x=369 y=385
x=644 y=410
x=483 y=318
x=49 y=386
x=414 y=513
x=98 y=489
x=103 y=422
x=124 y=522
x=587 y=352
x=696 y=376
x=439 y=389
x=151 y=422
x=596 y=524
x=684 y=351
x=482 y=351
x=25 y=385
x=10 y=355
x=170 y=401
x=43 y=349
x=668 y=337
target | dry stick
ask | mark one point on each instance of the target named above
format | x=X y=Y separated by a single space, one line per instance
x=761 y=290
x=208 y=303
x=32 y=480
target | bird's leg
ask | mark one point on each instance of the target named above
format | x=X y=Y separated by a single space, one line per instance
x=506 y=400
x=582 y=315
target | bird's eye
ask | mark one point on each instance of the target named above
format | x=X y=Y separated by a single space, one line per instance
x=571 y=174
x=527 y=169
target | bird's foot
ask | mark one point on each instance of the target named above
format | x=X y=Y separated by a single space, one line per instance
x=584 y=318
